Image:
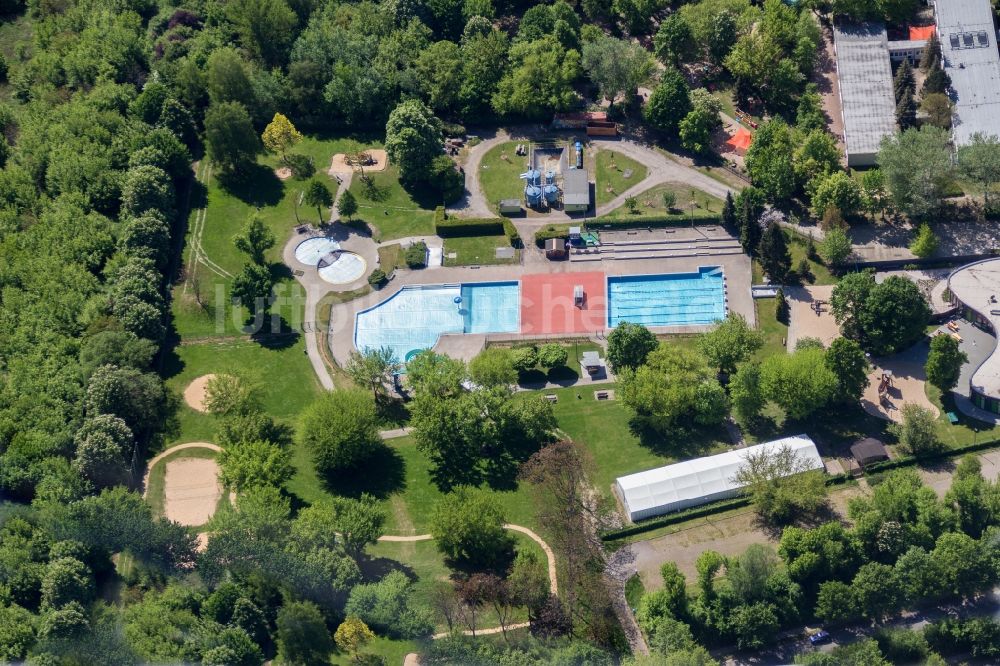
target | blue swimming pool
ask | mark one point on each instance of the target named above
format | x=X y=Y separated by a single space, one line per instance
x=671 y=299
x=416 y=316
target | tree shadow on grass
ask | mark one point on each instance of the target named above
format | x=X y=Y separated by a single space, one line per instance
x=377 y=568
x=382 y=474
x=256 y=185
x=680 y=443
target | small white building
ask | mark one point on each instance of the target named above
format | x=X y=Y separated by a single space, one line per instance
x=701 y=480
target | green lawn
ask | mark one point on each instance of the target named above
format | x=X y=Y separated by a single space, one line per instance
x=427 y=568
x=798 y=249
x=219 y=208
x=603 y=428
x=476 y=250
x=390 y=257
x=634 y=589
x=775 y=332
x=288 y=380
x=155 y=486
x=391 y=209
x=651 y=203
x=966 y=431
x=610 y=177
x=498 y=176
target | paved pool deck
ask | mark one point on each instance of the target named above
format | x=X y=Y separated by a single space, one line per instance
x=340 y=337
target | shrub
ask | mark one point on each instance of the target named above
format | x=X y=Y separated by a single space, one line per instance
x=552 y=231
x=377 y=278
x=416 y=255
x=453 y=227
x=925 y=243
x=552 y=355
x=301 y=165
x=513 y=237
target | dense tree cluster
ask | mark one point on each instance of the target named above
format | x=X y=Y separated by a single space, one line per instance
x=906 y=547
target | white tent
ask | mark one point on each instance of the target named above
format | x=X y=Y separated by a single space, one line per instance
x=701 y=480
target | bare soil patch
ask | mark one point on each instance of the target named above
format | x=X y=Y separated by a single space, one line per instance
x=191 y=490
x=283 y=173
x=194 y=394
x=339 y=162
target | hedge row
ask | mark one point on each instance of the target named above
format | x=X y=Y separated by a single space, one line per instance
x=552 y=231
x=454 y=227
x=909 y=461
x=833 y=480
x=511 y=232
x=673 y=518
x=656 y=222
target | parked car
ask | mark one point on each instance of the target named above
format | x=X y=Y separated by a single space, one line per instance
x=820 y=637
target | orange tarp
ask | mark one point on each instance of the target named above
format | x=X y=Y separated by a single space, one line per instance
x=547 y=303
x=741 y=140
x=919 y=32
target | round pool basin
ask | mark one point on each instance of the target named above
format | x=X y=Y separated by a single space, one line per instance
x=342 y=268
x=311 y=250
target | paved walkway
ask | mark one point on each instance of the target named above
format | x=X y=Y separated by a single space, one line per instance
x=549 y=556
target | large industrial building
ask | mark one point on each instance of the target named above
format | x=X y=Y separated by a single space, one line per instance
x=866 y=93
x=969 y=51
x=702 y=480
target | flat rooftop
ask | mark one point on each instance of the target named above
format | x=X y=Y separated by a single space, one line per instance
x=576 y=187
x=969 y=50
x=865 y=85
x=978 y=286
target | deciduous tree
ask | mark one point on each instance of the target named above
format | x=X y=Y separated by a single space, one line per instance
x=230 y=138
x=280 y=135
x=318 y=194
x=669 y=102
x=629 y=344
x=340 y=429
x=781 y=484
x=730 y=343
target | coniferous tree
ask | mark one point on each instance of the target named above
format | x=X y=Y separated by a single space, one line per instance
x=904 y=81
x=937 y=81
x=906 y=112
x=774 y=255
x=749 y=224
x=931 y=54
x=729 y=218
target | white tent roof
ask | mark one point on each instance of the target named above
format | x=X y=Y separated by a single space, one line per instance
x=701 y=477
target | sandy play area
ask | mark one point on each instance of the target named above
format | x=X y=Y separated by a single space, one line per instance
x=339 y=163
x=907 y=385
x=191 y=490
x=194 y=394
x=803 y=320
x=284 y=173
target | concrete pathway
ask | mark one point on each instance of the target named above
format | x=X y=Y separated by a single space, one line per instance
x=661 y=169
x=395 y=433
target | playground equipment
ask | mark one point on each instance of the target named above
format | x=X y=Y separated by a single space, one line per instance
x=884 y=384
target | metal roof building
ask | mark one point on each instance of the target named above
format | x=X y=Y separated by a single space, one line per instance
x=576 y=191
x=969 y=50
x=700 y=481
x=865 y=89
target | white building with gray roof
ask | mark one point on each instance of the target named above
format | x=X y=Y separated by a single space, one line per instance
x=969 y=51
x=866 y=93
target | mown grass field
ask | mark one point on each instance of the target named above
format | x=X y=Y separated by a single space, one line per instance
x=477 y=250
x=390 y=208
x=610 y=174
x=498 y=177
x=651 y=203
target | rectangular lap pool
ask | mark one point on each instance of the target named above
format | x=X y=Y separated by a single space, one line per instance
x=416 y=316
x=670 y=299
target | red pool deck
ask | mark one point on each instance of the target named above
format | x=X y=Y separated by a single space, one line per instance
x=547 y=303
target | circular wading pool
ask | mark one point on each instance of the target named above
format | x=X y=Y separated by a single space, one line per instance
x=312 y=250
x=342 y=267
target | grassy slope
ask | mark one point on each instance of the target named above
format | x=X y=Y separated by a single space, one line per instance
x=288 y=380
x=610 y=180
x=391 y=209
x=651 y=202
